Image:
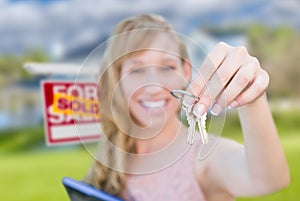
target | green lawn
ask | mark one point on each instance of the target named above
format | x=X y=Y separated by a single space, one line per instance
x=31 y=172
x=37 y=176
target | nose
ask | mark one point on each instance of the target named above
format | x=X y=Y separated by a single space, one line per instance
x=154 y=82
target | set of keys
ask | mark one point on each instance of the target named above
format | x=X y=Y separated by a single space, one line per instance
x=192 y=120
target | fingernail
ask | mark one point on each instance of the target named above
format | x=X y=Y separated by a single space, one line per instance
x=233 y=104
x=198 y=110
x=216 y=109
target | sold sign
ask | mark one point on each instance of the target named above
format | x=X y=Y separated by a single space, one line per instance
x=71 y=112
x=68 y=104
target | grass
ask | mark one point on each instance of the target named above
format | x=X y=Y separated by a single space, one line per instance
x=20 y=140
x=29 y=171
x=37 y=175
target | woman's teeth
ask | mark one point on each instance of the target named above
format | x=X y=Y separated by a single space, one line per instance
x=153 y=104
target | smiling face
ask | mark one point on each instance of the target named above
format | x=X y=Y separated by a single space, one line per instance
x=147 y=77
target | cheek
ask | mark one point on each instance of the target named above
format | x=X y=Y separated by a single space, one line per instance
x=174 y=103
x=129 y=88
x=174 y=81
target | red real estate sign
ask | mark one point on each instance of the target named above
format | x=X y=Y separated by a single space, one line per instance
x=71 y=112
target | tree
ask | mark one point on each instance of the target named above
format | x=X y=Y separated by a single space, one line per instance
x=11 y=66
x=279 y=53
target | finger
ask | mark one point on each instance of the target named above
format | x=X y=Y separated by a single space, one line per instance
x=219 y=80
x=226 y=71
x=241 y=80
x=212 y=61
x=257 y=88
x=203 y=104
x=232 y=62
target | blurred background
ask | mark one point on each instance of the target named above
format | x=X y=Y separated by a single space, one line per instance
x=64 y=31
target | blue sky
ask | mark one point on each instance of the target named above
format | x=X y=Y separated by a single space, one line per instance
x=62 y=25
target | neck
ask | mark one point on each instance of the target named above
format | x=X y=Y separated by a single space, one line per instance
x=154 y=138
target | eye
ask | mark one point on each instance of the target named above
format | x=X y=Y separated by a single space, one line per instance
x=137 y=70
x=168 y=68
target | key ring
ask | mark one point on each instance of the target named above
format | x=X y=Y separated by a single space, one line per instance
x=179 y=94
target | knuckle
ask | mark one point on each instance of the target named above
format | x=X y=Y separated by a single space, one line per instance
x=223 y=79
x=223 y=100
x=255 y=61
x=266 y=74
x=267 y=77
x=259 y=88
x=222 y=45
x=243 y=80
x=206 y=101
x=242 y=50
x=264 y=79
x=242 y=100
x=195 y=87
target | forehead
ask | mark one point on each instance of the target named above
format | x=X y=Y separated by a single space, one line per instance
x=164 y=42
x=163 y=46
x=151 y=56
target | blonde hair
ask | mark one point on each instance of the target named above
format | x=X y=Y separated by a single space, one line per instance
x=130 y=36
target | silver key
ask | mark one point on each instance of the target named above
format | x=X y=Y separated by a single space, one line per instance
x=192 y=131
x=192 y=124
x=202 y=129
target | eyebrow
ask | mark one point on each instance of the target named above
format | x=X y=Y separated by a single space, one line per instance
x=133 y=61
x=169 y=59
x=138 y=61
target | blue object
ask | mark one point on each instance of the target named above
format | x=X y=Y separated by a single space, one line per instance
x=80 y=191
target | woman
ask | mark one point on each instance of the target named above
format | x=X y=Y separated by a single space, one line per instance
x=145 y=156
